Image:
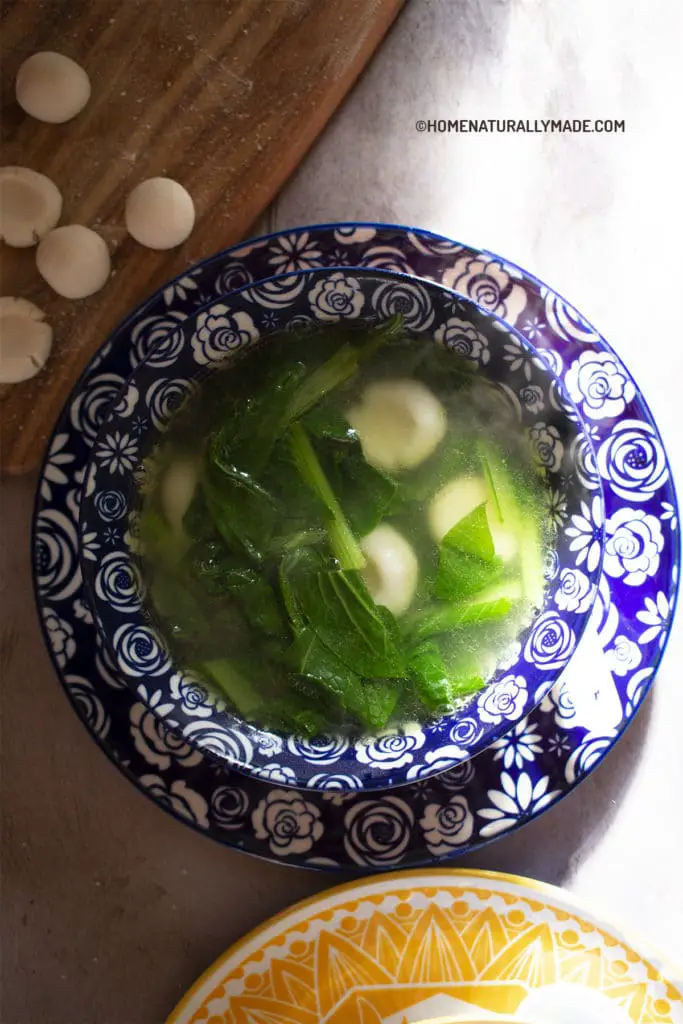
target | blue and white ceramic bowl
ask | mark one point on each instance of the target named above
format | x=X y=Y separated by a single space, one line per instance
x=529 y=393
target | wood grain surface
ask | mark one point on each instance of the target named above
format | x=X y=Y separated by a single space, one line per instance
x=224 y=95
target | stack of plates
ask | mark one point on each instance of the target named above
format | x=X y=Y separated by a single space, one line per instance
x=543 y=757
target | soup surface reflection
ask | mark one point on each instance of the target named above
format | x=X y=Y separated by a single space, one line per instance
x=341 y=532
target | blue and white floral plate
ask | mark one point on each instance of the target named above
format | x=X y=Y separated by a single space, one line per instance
x=526 y=771
x=528 y=401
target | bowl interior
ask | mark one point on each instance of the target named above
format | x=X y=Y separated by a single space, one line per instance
x=525 y=394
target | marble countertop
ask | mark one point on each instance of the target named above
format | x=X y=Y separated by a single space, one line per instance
x=112 y=908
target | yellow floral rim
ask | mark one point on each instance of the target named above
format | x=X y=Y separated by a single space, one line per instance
x=420 y=945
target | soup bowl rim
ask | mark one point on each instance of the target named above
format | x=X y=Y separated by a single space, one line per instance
x=393 y=757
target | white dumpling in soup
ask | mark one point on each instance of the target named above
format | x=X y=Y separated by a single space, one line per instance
x=178 y=485
x=460 y=497
x=391 y=570
x=399 y=423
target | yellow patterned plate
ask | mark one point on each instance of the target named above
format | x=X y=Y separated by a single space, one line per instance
x=426 y=946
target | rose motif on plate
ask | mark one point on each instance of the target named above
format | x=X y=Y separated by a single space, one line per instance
x=633 y=544
x=275 y=772
x=164 y=397
x=632 y=459
x=391 y=750
x=503 y=700
x=279 y=292
x=156 y=742
x=550 y=359
x=290 y=824
x=118 y=582
x=56 y=555
x=195 y=698
x=575 y=591
x=232 y=744
x=489 y=283
x=385 y=257
x=447 y=826
x=90 y=707
x=111 y=505
x=219 y=333
x=466 y=731
x=60 y=635
x=547 y=445
x=532 y=398
x=93 y=402
x=233 y=275
x=157 y=339
x=377 y=832
x=566 y=321
x=551 y=642
x=229 y=807
x=406 y=298
x=336 y=297
x=139 y=650
x=599 y=385
x=321 y=750
x=462 y=337
x=623 y=656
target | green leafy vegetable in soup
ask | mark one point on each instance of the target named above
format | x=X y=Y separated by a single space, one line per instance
x=335 y=539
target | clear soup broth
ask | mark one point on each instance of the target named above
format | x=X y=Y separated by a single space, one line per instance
x=339 y=533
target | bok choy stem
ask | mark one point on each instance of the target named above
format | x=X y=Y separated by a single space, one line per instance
x=337 y=370
x=344 y=544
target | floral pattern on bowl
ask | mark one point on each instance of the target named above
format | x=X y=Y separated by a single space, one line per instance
x=564 y=739
x=525 y=391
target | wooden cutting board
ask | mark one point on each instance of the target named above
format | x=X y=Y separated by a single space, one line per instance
x=224 y=95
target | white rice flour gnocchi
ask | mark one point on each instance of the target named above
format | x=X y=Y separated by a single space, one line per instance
x=460 y=497
x=391 y=568
x=399 y=423
x=51 y=87
x=74 y=261
x=30 y=206
x=160 y=213
x=177 y=490
x=25 y=340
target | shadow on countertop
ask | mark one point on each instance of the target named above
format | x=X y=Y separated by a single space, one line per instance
x=549 y=847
